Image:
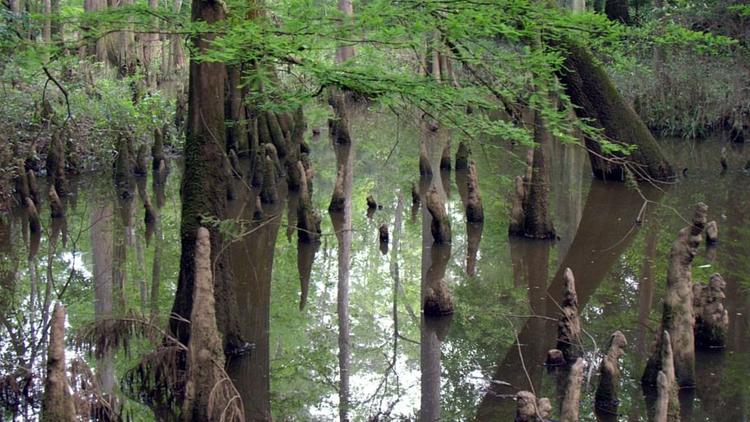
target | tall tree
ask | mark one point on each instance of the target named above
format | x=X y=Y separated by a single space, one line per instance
x=204 y=183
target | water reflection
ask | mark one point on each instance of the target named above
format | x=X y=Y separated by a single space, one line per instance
x=596 y=246
x=341 y=218
x=353 y=353
x=252 y=268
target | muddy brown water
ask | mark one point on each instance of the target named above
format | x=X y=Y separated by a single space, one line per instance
x=334 y=330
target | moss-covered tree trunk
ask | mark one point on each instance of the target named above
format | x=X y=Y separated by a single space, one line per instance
x=204 y=184
x=595 y=97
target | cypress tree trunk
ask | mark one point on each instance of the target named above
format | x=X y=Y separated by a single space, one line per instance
x=595 y=96
x=537 y=219
x=204 y=183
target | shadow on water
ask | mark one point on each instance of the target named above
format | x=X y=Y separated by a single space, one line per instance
x=597 y=245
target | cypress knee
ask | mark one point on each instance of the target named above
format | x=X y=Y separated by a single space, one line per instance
x=308 y=222
x=569 y=325
x=338 y=199
x=205 y=352
x=234 y=162
x=33 y=188
x=441 y=225
x=268 y=193
x=277 y=134
x=474 y=209
x=415 y=200
x=141 y=168
x=462 y=156
x=22 y=184
x=259 y=169
x=437 y=301
x=667 y=402
x=35 y=226
x=149 y=215
x=711 y=318
x=123 y=168
x=712 y=232
x=57 y=210
x=606 y=398
x=678 y=317
x=371 y=204
x=157 y=150
x=445 y=157
x=529 y=409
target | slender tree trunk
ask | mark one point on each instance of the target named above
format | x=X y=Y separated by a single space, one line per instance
x=345 y=52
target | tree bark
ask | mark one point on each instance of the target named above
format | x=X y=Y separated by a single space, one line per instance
x=595 y=97
x=204 y=183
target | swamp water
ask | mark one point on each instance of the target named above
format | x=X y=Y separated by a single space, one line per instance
x=385 y=361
